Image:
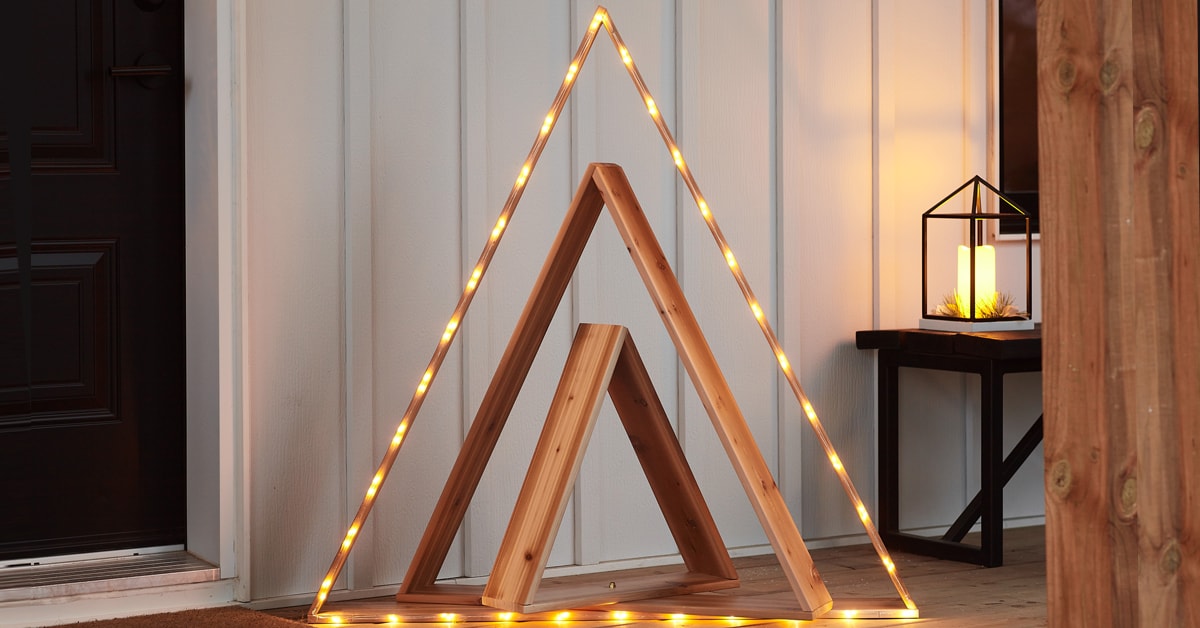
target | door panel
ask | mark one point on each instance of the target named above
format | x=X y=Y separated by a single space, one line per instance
x=92 y=381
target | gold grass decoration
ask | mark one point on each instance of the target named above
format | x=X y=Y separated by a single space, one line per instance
x=600 y=18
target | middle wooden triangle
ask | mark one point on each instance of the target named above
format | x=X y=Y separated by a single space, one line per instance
x=605 y=185
x=603 y=359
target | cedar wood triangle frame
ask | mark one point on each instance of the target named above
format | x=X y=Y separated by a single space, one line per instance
x=809 y=589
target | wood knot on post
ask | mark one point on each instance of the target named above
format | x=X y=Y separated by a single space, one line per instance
x=1066 y=75
x=1145 y=128
x=1060 y=479
x=1171 y=558
x=1128 y=499
x=1110 y=72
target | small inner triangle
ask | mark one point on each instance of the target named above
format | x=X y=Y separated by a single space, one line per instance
x=603 y=360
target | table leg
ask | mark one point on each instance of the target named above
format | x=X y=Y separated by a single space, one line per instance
x=991 y=462
x=889 y=442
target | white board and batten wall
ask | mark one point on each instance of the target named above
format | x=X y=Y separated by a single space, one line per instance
x=379 y=142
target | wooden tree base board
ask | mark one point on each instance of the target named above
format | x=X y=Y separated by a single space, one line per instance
x=556 y=594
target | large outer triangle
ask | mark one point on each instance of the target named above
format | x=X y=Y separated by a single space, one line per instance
x=606 y=185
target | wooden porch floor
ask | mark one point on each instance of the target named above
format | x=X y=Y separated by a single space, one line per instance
x=949 y=594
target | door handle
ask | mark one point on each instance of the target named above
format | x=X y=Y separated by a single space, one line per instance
x=139 y=71
x=149 y=70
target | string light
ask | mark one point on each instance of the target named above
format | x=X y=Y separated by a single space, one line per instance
x=837 y=463
x=704 y=209
x=571 y=72
x=758 y=313
x=548 y=123
x=678 y=157
x=651 y=107
x=475 y=277
x=449 y=333
x=625 y=58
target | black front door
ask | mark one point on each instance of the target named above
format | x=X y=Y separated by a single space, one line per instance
x=91 y=276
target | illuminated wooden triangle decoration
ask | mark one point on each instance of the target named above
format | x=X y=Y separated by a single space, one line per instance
x=603 y=359
x=601 y=19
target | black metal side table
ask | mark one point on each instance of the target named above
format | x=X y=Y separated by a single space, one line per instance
x=991 y=355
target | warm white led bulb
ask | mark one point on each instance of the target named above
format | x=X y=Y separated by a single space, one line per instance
x=625 y=58
x=758 y=313
x=548 y=123
x=501 y=222
x=704 y=210
x=837 y=462
x=651 y=107
x=678 y=157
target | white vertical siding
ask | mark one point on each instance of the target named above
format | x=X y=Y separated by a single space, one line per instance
x=294 y=281
x=725 y=132
x=416 y=230
x=617 y=517
x=825 y=252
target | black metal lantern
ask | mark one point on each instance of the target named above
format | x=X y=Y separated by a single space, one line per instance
x=976 y=303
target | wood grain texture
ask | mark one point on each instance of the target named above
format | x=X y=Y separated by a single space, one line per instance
x=662 y=460
x=604 y=359
x=1118 y=137
x=505 y=385
x=718 y=401
x=554 y=467
x=517 y=570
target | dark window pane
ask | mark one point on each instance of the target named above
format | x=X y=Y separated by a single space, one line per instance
x=1018 y=108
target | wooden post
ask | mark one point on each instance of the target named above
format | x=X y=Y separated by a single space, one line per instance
x=1118 y=131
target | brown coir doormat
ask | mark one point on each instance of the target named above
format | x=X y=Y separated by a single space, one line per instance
x=224 y=617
